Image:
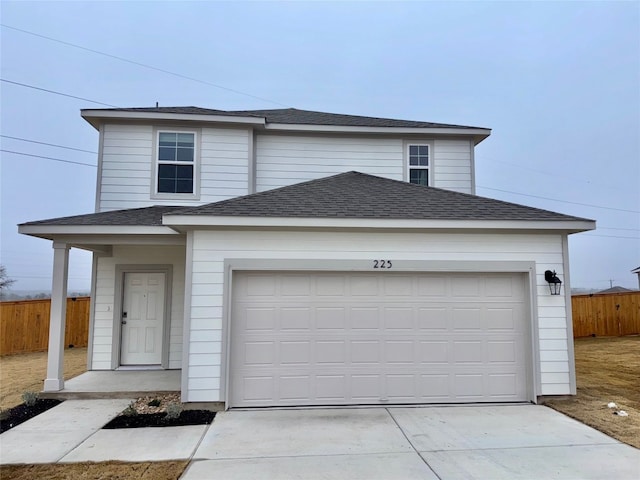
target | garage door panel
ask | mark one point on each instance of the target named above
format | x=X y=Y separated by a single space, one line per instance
x=399 y=352
x=258 y=318
x=365 y=388
x=468 y=352
x=364 y=318
x=433 y=318
x=348 y=341
x=331 y=352
x=295 y=318
x=433 y=352
x=466 y=318
x=294 y=388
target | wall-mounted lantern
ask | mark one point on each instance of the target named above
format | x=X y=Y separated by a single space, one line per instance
x=554 y=282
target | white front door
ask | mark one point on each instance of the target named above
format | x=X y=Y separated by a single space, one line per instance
x=142 y=319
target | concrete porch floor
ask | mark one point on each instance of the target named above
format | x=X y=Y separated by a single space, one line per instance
x=99 y=384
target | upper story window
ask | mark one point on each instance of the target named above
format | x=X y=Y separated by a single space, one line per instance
x=418 y=159
x=176 y=162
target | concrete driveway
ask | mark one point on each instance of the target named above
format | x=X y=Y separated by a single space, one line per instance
x=475 y=442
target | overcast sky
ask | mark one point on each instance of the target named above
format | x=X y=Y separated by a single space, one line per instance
x=557 y=82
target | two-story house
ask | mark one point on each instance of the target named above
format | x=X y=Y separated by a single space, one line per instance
x=289 y=257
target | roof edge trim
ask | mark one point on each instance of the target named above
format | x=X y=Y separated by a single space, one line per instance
x=388 y=223
x=93 y=115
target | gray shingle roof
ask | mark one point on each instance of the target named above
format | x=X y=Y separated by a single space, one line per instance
x=149 y=216
x=358 y=195
x=346 y=195
x=294 y=116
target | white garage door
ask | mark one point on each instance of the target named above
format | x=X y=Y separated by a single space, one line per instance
x=392 y=338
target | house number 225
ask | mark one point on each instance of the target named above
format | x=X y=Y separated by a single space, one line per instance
x=382 y=264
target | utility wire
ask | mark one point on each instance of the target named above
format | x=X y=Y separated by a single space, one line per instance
x=542 y=172
x=144 y=65
x=614 y=228
x=610 y=236
x=49 y=144
x=558 y=200
x=56 y=93
x=48 y=158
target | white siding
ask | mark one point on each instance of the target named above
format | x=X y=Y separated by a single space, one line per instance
x=105 y=298
x=286 y=159
x=452 y=165
x=127 y=164
x=212 y=248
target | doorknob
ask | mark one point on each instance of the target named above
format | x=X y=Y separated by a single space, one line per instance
x=124 y=322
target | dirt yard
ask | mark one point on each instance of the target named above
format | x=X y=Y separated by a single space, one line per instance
x=607 y=370
x=26 y=372
x=96 y=471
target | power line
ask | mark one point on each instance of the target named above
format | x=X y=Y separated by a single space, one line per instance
x=144 y=65
x=613 y=228
x=610 y=236
x=56 y=93
x=558 y=200
x=542 y=172
x=49 y=144
x=48 y=158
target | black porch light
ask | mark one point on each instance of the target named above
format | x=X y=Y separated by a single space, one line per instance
x=554 y=282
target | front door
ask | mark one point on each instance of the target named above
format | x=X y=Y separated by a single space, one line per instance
x=142 y=319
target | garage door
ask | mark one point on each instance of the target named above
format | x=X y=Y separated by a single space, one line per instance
x=392 y=338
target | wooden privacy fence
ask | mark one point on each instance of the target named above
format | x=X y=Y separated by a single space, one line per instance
x=24 y=325
x=606 y=314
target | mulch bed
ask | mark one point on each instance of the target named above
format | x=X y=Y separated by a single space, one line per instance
x=187 y=417
x=19 y=414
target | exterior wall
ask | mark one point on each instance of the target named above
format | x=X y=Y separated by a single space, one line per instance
x=287 y=159
x=284 y=160
x=105 y=301
x=205 y=380
x=452 y=165
x=126 y=173
x=125 y=180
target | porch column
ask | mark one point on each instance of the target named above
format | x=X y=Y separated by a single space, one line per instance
x=57 y=320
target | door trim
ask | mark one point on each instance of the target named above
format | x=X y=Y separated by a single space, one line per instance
x=116 y=337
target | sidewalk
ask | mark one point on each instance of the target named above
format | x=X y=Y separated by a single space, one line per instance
x=71 y=432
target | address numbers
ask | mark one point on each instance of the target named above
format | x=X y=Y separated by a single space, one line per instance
x=382 y=264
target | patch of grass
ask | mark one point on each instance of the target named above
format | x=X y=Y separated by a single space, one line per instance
x=26 y=372
x=96 y=471
x=607 y=370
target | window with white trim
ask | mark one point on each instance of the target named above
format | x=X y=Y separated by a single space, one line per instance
x=418 y=156
x=176 y=162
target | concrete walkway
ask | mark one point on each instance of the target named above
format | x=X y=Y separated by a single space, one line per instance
x=425 y=443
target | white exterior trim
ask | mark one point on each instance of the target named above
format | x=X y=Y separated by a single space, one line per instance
x=473 y=167
x=477 y=132
x=186 y=323
x=99 y=173
x=45 y=230
x=94 y=117
x=569 y=308
x=301 y=222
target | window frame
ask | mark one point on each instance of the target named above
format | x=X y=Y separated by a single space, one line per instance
x=195 y=194
x=408 y=167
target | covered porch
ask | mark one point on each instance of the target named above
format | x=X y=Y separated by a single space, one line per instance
x=99 y=384
x=121 y=242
